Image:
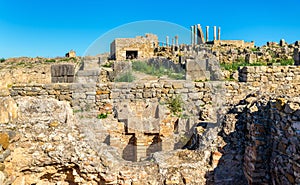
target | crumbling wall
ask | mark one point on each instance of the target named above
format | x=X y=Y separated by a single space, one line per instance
x=285 y=139
x=273 y=140
x=39 y=74
x=235 y=43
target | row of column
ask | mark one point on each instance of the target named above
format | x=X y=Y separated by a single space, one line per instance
x=197 y=36
x=176 y=41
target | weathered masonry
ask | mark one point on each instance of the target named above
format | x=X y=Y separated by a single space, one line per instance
x=62 y=73
x=133 y=48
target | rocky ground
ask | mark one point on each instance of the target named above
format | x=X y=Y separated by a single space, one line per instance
x=46 y=145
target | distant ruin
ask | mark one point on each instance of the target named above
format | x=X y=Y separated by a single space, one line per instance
x=197 y=37
x=133 y=48
x=70 y=54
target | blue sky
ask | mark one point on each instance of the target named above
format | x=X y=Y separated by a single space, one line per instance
x=51 y=28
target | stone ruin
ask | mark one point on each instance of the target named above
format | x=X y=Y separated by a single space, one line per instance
x=62 y=73
x=257 y=141
x=198 y=38
x=133 y=48
x=50 y=132
x=144 y=125
x=70 y=54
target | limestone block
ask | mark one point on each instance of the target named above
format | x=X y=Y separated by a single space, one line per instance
x=177 y=85
x=196 y=70
x=59 y=70
x=47 y=110
x=8 y=110
x=4 y=140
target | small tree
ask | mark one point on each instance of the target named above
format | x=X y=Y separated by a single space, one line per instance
x=175 y=105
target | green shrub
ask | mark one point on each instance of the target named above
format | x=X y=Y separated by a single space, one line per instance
x=102 y=116
x=78 y=110
x=152 y=70
x=50 y=61
x=20 y=63
x=2 y=60
x=109 y=64
x=175 y=105
x=125 y=77
x=232 y=66
x=239 y=63
x=286 y=62
x=254 y=49
x=67 y=59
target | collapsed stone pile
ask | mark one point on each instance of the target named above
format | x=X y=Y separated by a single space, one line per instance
x=267 y=53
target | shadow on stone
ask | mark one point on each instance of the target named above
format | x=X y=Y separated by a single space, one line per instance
x=129 y=152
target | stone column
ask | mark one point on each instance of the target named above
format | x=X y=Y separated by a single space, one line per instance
x=215 y=33
x=195 y=35
x=219 y=33
x=207 y=33
x=172 y=45
x=200 y=35
x=141 y=147
x=176 y=41
x=167 y=41
x=192 y=35
x=296 y=56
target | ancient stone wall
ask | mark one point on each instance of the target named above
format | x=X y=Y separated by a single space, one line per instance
x=272 y=143
x=285 y=141
x=62 y=73
x=235 y=43
x=228 y=53
x=40 y=74
x=270 y=74
x=112 y=92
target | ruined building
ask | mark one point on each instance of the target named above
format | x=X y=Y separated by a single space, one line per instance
x=70 y=54
x=133 y=48
x=197 y=37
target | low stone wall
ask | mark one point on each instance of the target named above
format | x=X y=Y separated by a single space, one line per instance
x=101 y=94
x=61 y=92
x=40 y=74
x=272 y=143
x=235 y=43
x=98 y=96
x=285 y=141
x=270 y=74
